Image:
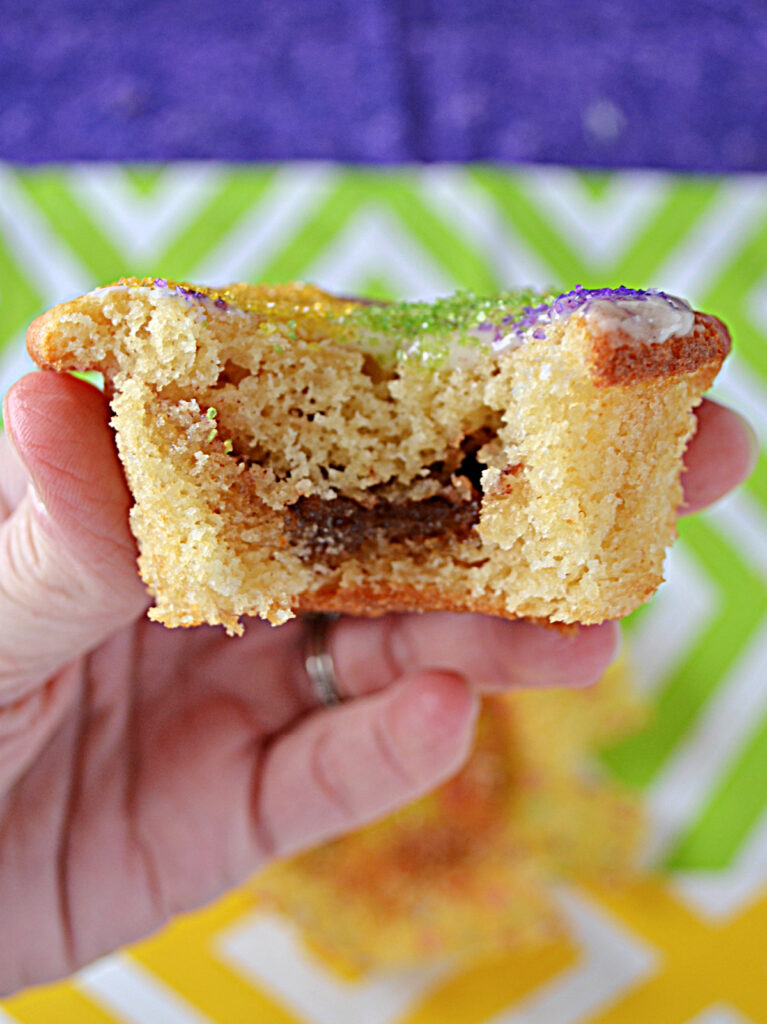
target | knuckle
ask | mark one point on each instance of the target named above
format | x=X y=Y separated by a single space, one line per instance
x=397 y=647
x=391 y=756
x=324 y=774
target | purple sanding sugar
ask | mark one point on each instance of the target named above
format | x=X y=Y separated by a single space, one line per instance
x=187 y=293
x=564 y=305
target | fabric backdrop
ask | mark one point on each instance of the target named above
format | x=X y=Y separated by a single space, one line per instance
x=677 y=84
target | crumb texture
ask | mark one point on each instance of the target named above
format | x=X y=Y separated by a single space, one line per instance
x=279 y=463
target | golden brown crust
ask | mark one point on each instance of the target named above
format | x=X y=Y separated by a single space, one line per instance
x=38 y=341
x=44 y=337
x=46 y=340
x=381 y=598
x=616 y=363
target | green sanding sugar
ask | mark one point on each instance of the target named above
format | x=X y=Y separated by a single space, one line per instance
x=444 y=315
x=427 y=332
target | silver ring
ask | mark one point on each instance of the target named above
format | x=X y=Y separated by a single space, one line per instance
x=318 y=660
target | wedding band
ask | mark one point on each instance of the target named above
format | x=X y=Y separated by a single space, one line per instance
x=318 y=660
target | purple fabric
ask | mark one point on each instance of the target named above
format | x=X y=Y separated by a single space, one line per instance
x=669 y=83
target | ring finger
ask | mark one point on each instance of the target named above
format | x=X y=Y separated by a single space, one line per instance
x=494 y=654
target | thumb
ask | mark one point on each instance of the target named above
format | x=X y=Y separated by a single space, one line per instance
x=68 y=573
x=344 y=766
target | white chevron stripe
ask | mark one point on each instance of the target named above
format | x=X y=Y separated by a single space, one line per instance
x=721 y=894
x=134 y=995
x=720 y=1014
x=612 y=961
x=678 y=614
x=737 y=386
x=263 y=947
x=735 y=710
x=55 y=270
x=6 y=1018
x=738 y=212
x=143 y=225
x=293 y=196
x=744 y=524
x=600 y=230
x=14 y=363
x=471 y=210
x=756 y=302
x=375 y=245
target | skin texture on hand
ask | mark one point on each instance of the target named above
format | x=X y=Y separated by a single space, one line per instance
x=147 y=770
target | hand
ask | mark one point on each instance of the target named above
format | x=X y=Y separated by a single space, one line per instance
x=142 y=770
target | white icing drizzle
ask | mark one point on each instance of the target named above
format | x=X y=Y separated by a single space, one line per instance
x=647 y=321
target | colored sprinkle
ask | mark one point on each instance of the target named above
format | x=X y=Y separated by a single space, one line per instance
x=228 y=446
x=212 y=434
x=426 y=332
x=535 y=318
x=421 y=333
x=211 y=413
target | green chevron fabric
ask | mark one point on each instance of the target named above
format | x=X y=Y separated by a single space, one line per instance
x=701 y=646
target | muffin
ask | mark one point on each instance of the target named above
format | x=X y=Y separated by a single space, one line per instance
x=290 y=450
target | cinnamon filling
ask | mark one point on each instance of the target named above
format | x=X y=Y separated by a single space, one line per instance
x=334 y=529
x=331 y=530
